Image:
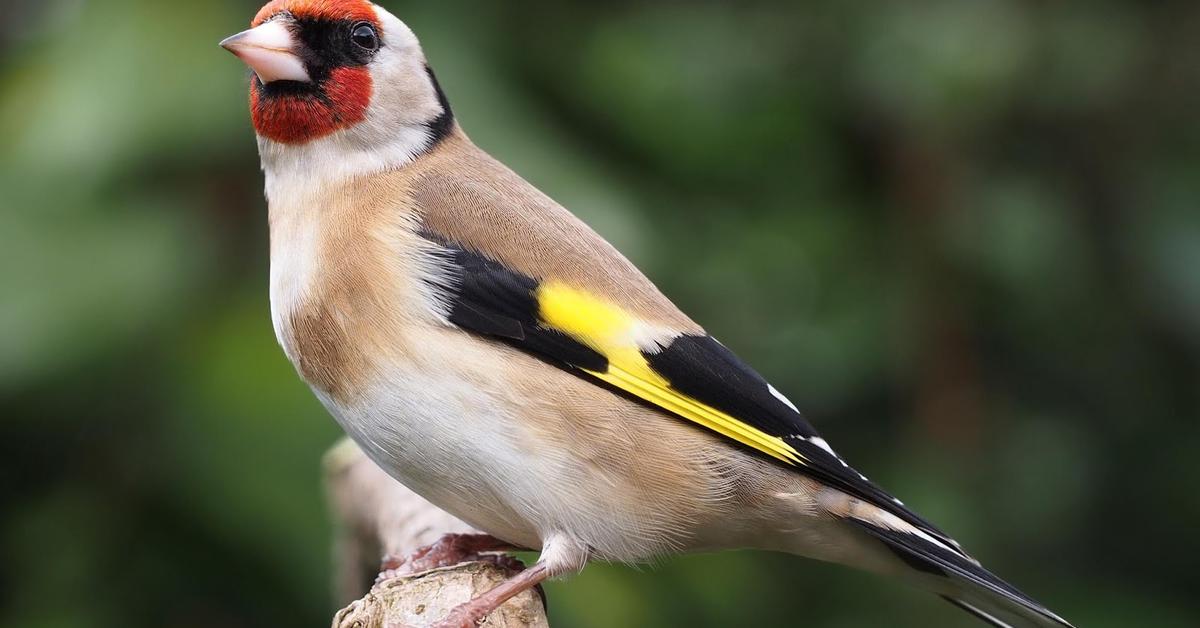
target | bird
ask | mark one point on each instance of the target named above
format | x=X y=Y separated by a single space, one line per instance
x=497 y=356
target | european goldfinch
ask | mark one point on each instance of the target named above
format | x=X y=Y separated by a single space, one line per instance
x=498 y=357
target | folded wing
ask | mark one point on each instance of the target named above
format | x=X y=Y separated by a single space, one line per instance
x=690 y=376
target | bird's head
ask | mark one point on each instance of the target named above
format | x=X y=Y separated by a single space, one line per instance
x=341 y=71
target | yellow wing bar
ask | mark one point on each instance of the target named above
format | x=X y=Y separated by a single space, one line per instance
x=613 y=333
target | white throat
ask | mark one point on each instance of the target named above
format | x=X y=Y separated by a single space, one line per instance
x=337 y=158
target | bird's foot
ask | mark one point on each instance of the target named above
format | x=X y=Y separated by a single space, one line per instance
x=474 y=612
x=450 y=550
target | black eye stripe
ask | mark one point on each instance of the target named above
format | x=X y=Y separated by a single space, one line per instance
x=329 y=44
x=326 y=45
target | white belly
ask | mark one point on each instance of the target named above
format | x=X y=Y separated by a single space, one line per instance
x=448 y=441
x=446 y=427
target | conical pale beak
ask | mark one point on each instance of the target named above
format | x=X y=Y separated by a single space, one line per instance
x=271 y=51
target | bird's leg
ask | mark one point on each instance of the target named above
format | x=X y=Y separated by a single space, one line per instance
x=449 y=550
x=470 y=614
x=561 y=555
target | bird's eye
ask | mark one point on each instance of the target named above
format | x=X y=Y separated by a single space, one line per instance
x=364 y=36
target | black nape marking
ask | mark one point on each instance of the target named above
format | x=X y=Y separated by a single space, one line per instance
x=440 y=126
x=488 y=298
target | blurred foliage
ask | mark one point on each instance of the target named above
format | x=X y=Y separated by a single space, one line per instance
x=964 y=235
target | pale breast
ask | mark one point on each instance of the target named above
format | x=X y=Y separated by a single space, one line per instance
x=346 y=278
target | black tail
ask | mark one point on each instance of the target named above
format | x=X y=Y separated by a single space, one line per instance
x=961 y=581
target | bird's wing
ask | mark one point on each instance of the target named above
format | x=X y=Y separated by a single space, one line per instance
x=520 y=269
x=689 y=375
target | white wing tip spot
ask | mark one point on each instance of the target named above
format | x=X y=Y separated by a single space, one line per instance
x=778 y=395
x=820 y=442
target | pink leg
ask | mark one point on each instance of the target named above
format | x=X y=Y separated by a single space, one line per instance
x=470 y=614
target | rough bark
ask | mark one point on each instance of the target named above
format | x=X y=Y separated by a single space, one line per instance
x=376 y=516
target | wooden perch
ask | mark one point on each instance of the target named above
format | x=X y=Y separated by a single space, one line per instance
x=376 y=516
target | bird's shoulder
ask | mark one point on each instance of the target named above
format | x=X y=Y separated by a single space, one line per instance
x=465 y=197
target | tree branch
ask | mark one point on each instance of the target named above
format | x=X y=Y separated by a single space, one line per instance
x=376 y=516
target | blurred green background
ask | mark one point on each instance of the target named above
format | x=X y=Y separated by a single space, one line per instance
x=963 y=236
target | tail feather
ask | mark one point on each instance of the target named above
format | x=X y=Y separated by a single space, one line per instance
x=981 y=615
x=962 y=581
